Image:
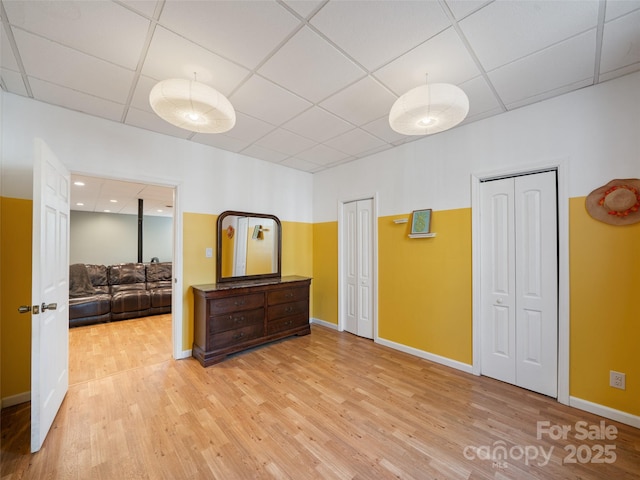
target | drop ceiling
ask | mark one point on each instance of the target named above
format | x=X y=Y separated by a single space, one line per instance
x=312 y=82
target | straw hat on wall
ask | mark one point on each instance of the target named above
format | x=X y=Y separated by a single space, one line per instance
x=616 y=203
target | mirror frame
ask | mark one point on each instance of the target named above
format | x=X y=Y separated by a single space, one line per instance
x=244 y=278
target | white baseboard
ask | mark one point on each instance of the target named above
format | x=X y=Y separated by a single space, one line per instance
x=426 y=355
x=184 y=354
x=317 y=321
x=16 y=399
x=606 y=412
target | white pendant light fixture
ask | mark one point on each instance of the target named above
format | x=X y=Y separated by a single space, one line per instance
x=192 y=105
x=429 y=109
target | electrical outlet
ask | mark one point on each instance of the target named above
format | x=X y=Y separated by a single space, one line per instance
x=617 y=380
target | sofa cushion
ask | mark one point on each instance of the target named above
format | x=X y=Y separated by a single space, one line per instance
x=160 y=297
x=89 y=306
x=127 y=273
x=130 y=301
x=99 y=276
x=158 y=272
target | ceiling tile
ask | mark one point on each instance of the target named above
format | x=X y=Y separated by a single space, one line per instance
x=444 y=58
x=284 y=141
x=550 y=94
x=222 y=141
x=355 y=142
x=375 y=32
x=74 y=100
x=621 y=42
x=317 y=124
x=502 y=32
x=562 y=64
x=145 y=7
x=13 y=81
x=263 y=99
x=245 y=31
x=7 y=58
x=150 y=121
x=85 y=26
x=361 y=102
x=310 y=67
x=481 y=97
x=172 y=56
x=462 y=8
x=322 y=155
x=304 y=7
x=44 y=59
x=265 y=154
x=248 y=128
x=381 y=129
x=140 y=97
x=299 y=164
x=618 y=8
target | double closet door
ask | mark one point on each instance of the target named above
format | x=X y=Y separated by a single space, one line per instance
x=357 y=281
x=519 y=292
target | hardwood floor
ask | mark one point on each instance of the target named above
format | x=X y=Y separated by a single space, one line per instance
x=326 y=405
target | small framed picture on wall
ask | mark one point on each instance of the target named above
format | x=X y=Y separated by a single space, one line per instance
x=421 y=221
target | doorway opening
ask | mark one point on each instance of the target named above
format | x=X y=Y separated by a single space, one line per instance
x=115 y=220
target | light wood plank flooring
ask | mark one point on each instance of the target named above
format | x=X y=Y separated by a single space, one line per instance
x=327 y=405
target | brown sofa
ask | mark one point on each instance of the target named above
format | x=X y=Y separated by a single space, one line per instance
x=98 y=293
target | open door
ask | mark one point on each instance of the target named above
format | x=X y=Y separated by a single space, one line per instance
x=49 y=292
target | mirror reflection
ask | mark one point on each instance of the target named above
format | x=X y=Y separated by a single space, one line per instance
x=248 y=246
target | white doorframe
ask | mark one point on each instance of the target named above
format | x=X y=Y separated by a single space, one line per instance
x=176 y=294
x=341 y=261
x=561 y=166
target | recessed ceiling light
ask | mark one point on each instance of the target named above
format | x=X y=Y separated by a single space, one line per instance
x=79 y=183
x=113 y=201
x=80 y=204
x=159 y=210
x=107 y=211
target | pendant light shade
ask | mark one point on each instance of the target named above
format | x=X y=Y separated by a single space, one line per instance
x=192 y=105
x=429 y=109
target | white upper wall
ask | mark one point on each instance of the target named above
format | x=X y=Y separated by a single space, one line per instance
x=210 y=180
x=594 y=131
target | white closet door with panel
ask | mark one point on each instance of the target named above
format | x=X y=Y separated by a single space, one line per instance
x=358 y=266
x=519 y=313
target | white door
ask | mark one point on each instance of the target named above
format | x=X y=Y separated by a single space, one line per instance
x=49 y=292
x=519 y=261
x=358 y=267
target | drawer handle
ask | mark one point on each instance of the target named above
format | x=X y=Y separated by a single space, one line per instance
x=238 y=335
x=239 y=303
x=288 y=322
x=288 y=294
x=288 y=309
x=237 y=319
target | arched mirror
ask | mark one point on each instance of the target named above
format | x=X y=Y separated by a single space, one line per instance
x=249 y=247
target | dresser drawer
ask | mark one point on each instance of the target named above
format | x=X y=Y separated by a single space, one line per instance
x=288 y=295
x=287 y=323
x=237 y=303
x=236 y=336
x=229 y=321
x=288 y=309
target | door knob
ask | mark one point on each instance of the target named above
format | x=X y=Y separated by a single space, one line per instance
x=51 y=306
x=24 y=308
x=499 y=300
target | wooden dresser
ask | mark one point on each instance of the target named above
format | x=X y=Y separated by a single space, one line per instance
x=230 y=317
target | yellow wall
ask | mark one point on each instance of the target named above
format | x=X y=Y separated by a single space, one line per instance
x=605 y=320
x=260 y=252
x=424 y=285
x=325 y=272
x=15 y=241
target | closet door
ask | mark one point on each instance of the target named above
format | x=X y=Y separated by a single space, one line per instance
x=358 y=258
x=519 y=281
